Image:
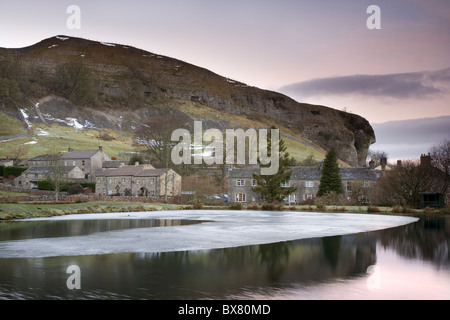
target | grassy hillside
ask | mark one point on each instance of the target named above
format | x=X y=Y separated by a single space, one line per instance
x=10 y=126
x=56 y=138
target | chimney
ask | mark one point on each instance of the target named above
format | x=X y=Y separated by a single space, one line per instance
x=399 y=163
x=372 y=164
x=70 y=149
x=148 y=167
x=100 y=148
x=425 y=160
x=383 y=163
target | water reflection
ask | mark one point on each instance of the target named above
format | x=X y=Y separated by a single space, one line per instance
x=427 y=240
x=330 y=267
x=18 y=230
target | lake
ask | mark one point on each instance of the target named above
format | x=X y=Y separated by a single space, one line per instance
x=406 y=262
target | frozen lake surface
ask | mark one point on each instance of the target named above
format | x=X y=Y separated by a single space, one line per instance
x=222 y=229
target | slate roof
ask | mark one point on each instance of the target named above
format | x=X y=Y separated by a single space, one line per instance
x=136 y=171
x=80 y=154
x=151 y=173
x=45 y=157
x=47 y=170
x=122 y=171
x=358 y=174
x=310 y=173
x=112 y=164
x=246 y=172
x=306 y=173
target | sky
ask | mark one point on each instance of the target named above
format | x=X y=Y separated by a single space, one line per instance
x=321 y=52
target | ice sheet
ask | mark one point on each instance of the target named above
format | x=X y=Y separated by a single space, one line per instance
x=226 y=229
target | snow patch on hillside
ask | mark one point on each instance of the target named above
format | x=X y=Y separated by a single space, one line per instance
x=71 y=122
x=108 y=44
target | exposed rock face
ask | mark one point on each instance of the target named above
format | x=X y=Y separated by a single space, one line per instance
x=129 y=83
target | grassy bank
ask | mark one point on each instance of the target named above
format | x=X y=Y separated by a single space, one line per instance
x=10 y=211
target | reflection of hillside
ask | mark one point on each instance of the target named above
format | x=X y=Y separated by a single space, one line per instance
x=428 y=239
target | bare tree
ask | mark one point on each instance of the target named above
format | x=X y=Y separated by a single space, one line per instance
x=17 y=153
x=377 y=156
x=440 y=157
x=57 y=176
x=403 y=185
x=156 y=136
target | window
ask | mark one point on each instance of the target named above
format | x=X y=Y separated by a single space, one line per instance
x=99 y=180
x=109 y=180
x=349 y=186
x=74 y=163
x=366 y=184
x=152 y=180
x=286 y=184
x=292 y=198
x=65 y=163
x=138 y=181
x=123 y=180
x=240 y=182
x=240 y=197
x=307 y=196
x=254 y=183
x=309 y=184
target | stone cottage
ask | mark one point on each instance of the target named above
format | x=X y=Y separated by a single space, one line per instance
x=89 y=161
x=138 y=180
x=30 y=177
x=358 y=184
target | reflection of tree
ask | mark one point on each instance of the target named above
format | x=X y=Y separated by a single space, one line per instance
x=275 y=256
x=331 y=248
x=428 y=239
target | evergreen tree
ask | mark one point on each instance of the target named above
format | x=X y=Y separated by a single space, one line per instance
x=271 y=186
x=330 y=180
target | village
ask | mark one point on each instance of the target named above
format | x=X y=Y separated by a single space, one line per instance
x=92 y=173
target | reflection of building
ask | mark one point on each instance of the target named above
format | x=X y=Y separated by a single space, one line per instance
x=357 y=183
x=138 y=180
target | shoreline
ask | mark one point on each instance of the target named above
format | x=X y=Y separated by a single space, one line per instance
x=23 y=210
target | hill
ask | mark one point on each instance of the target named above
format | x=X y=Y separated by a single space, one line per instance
x=102 y=86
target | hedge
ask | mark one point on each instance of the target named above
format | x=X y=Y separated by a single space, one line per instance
x=13 y=171
x=47 y=185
